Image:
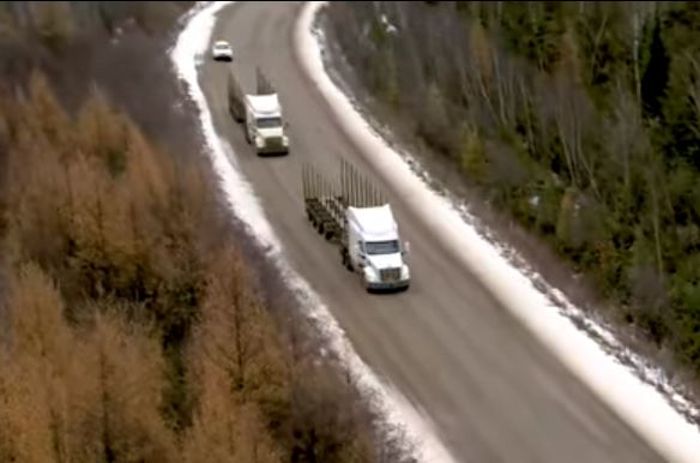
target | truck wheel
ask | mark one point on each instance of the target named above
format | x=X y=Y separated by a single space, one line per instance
x=346 y=260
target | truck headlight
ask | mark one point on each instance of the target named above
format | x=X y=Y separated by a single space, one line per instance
x=285 y=140
x=259 y=141
x=370 y=274
x=405 y=272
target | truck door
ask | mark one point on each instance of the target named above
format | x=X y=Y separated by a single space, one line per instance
x=361 y=254
x=249 y=126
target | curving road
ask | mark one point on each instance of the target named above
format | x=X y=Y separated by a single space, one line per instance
x=494 y=393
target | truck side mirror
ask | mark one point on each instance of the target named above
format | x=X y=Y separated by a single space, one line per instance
x=361 y=256
x=406 y=247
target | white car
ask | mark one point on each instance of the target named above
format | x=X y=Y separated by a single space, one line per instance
x=222 y=51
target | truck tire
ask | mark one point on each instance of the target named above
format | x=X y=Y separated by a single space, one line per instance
x=346 y=259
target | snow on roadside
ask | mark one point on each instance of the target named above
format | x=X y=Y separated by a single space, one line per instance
x=187 y=55
x=635 y=389
x=643 y=368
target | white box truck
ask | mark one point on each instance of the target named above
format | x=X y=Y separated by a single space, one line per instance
x=361 y=223
x=261 y=113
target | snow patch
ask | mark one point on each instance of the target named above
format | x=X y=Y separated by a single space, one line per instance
x=187 y=55
x=389 y=28
x=632 y=387
x=639 y=366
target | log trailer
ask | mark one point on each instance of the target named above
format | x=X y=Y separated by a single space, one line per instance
x=353 y=214
x=261 y=114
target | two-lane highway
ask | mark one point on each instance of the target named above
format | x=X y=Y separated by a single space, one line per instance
x=494 y=393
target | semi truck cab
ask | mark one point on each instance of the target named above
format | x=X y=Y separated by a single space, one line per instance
x=265 y=127
x=374 y=248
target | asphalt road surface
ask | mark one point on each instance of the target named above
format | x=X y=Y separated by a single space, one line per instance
x=493 y=391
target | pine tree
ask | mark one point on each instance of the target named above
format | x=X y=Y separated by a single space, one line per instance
x=655 y=76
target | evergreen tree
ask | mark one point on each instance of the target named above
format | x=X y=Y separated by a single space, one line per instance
x=655 y=77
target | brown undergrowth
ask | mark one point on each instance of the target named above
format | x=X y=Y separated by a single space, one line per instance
x=135 y=330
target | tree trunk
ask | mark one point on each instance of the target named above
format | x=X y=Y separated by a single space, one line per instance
x=655 y=222
x=596 y=45
x=566 y=148
x=635 y=57
x=238 y=339
x=106 y=435
x=499 y=89
x=527 y=106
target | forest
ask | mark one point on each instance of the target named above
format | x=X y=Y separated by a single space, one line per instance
x=137 y=322
x=578 y=120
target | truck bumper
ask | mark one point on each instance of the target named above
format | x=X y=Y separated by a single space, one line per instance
x=399 y=285
x=273 y=150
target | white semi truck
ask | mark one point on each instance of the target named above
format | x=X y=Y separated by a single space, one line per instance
x=261 y=114
x=361 y=223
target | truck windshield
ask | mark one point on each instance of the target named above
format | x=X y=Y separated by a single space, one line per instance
x=269 y=122
x=382 y=247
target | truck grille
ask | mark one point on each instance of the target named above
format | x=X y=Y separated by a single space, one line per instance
x=390 y=274
x=275 y=142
